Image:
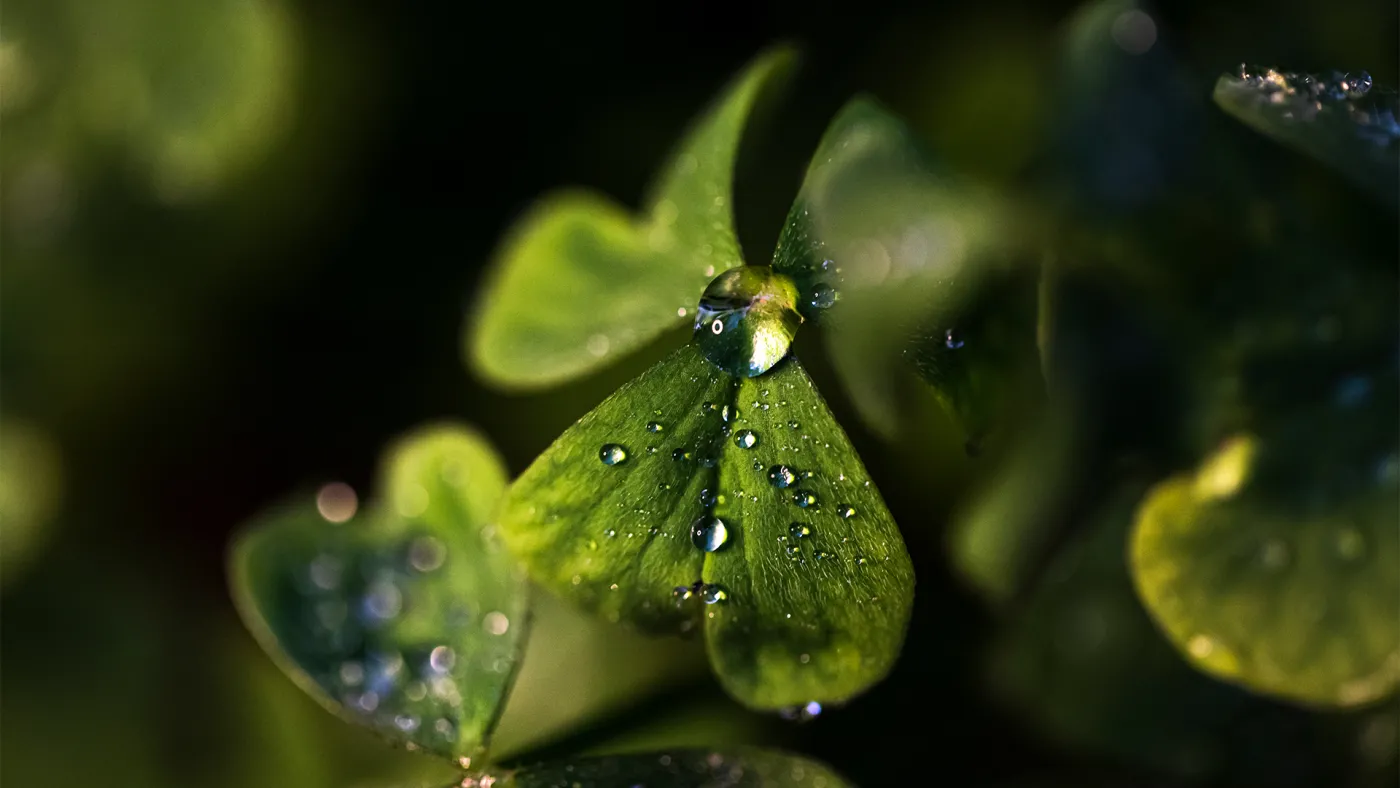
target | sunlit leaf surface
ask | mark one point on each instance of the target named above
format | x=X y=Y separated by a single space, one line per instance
x=881 y=242
x=1341 y=120
x=406 y=618
x=1286 y=584
x=579 y=281
x=686 y=496
x=743 y=768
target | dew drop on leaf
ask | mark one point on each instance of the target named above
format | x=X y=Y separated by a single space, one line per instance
x=654 y=426
x=746 y=439
x=799 y=530
x=781 y=476
x=804 y=498
x=846 y=511
x=713 y=593
x=709 y=533
x=822 y=296
x=612 y=454
x=746 y=320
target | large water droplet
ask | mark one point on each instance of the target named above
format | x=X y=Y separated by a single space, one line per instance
x=612 y=454
x=709 y=533
x=746 y=320
x=804 y=498
x=781 y=476
x=952 y=339
x=746 y=439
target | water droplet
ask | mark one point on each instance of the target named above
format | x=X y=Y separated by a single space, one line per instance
x=1201 y=646
x=709 y=533
x=325 y=572
x=654 y=426
x=337 y=502
x=725 y=413
x=406 y=722
x=781 y=476
x=598 y=345
x=793 y=425
x=352 y=673
x=713 y=593
x=382 y=601
x=610 y=533
x=821 y=555
x=426 y=554
x=682 y=594
x=496 y=622
x=1358 y=85
x=612 y=454
x=846 y=511
x=952 y=339
x=707 y=498
x=822 y=296
x=859 y=561
x=746 y=320
x=441 y=659
x=804 y=498
x=799 y=530
x=681 y=455
x=794 y=552
x=746 y=439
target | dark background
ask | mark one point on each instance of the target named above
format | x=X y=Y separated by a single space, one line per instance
x=195 y=360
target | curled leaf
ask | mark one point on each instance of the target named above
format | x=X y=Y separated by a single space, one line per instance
x=406 y=618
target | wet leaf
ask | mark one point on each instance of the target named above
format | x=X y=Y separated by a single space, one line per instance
x=818 y=581
x=741 y=768
x=579 y=281
x=1338 y=119
x=636 y=513
x=1282 y=578
x=405 y=617
x=880 y=241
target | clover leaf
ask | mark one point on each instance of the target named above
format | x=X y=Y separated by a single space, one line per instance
x=694 y=496
x=406 y=617
x=885 y=246
x=537 y=321
x=1339 y=119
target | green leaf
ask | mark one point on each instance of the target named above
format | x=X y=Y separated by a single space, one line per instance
x=1340 y=120
x=407 y=618
x=741 y=768
x=579 y=281
x=815 y=617
x=880 y=241
x=614 y=516
x=1286 y=581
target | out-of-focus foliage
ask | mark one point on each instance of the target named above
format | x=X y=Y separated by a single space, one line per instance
x=407 y=618
x=579 y=281
x=681 y=769
x=31 y=489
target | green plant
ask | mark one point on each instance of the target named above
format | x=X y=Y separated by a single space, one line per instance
x=1237 y=527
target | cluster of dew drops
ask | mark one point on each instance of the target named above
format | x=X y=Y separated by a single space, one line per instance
x=710 y=533
x=1374 y=112
x=353 y=597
